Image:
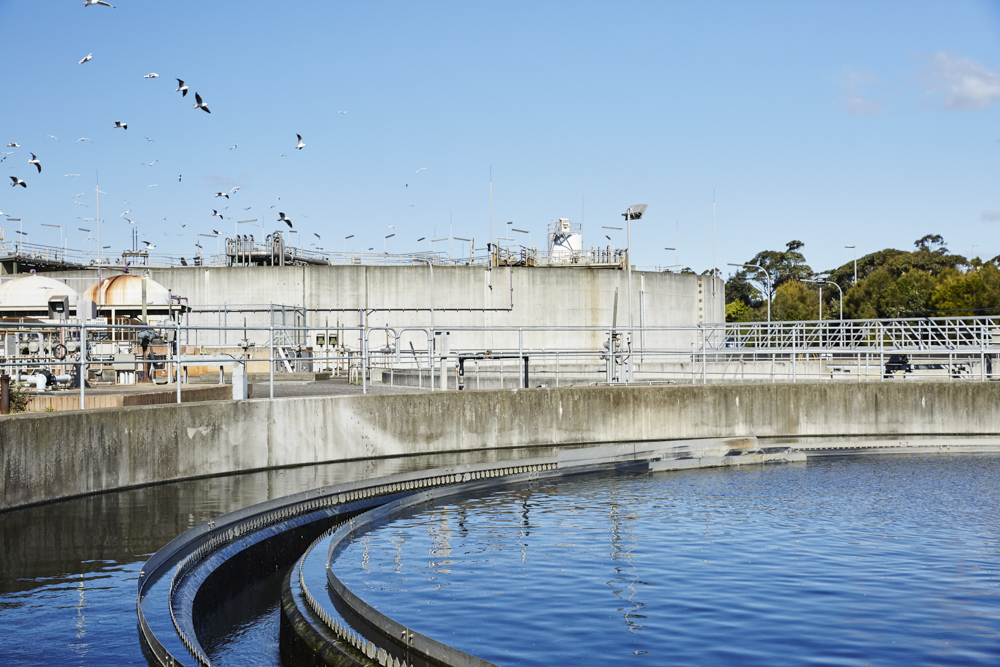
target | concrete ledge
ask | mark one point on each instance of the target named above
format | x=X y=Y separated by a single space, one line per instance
x=109 y=399
x=48 y=456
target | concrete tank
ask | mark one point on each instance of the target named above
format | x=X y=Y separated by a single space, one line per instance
x=30 y=295
x=126 y=290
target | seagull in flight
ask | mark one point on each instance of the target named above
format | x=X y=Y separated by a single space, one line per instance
x=420 y=170
x=181 y=88
x=217 y=232
x=235 y=190
x=149 y=246
x=130 y=221
x=79 y=195
x=248 y=208
x=50 y=136
x=184 y=224
x=343 y=112
x=152 y=75
x=153 y=185
x=13 y=144
x=222 y=194
x=80 y=203
x=200 y=104
x=87 y=58
x=301 y=143
x=282 y=155
x=281 y=218
x=148 y=139
x=234 y=146
x=125 y=213
x=89 y=3
x=216 y=213
x=149 y=164
x=179 y=176
x=120 y=124
x=3 y=158
x=65 y=175
x=18 y=181
x=34 y=161
x=83 y=139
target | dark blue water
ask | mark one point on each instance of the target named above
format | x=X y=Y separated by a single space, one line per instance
x=858 y=561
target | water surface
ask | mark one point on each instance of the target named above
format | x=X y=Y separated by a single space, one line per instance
x=884 y=560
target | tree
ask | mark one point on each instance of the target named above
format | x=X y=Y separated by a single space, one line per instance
x=972 y=293
x=737 y=311
x=782 y=266
x=795 y=301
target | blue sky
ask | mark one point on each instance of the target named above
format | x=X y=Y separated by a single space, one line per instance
x=835 y=124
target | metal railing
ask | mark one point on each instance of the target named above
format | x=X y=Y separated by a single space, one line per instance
x=952 y=349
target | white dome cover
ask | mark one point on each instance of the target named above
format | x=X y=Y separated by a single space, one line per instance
x=33 y=292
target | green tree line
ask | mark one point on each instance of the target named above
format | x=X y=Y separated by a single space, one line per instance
x=928 y=281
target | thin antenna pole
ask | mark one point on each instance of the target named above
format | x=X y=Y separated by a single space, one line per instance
x=715 y=271
x=491 y=204
x=100 y=249
x=583 y=217
x=677 y=246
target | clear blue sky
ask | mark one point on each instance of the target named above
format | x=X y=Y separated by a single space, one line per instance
x=835 y=124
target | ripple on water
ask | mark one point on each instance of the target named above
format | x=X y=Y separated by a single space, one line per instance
x=872 y=560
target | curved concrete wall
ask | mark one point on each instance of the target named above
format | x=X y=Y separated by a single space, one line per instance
x=58 y=455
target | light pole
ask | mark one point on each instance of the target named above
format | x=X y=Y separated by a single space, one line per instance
x=523 y=231
x=89 y=238
x=855 y=249
x=634 y=212
x=615 y=228
x=767 y=276
x=430 y=265
x=46 y=224
x=345 y=242
x=387 y=236
x=439 y=241
x=827 y=282
x=23 y=242
x=236 y=226
x=676 y=262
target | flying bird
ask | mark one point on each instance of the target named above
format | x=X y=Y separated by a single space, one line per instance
x=83 y=139
x=125 y=213
x=149 y=164
x=222 y=194
x=3 y=158
x=235 y=190
x=87 y=58
x=184 y=224
x=17 y=181
x=149 y=246
x=34 y=161
x=120 y=124
x=216 y=213
x=199 y=104
x=420 y=170
x=130 y=221
x=216 y=231
x=153 y=185
x=179 y=176
x=13 y=144
x=65 y=175
x=152 y=75
x=301 y=143
x=281 y=218
x=282 y=155
x=148 y=139
x=248 y=208
x=80 y=203
x=51 y=136
x=181 y=88
x=88 y=3
x=79 y=195
x=234 y=146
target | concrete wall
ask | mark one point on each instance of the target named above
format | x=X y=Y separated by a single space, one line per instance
x=570 y=297
x=47 y=456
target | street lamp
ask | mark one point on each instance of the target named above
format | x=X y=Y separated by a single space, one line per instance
x=523 y=231
x=767 y=276
x=827 y=282
x=634 y=212
x=90 y=237
x=236 y=228
x=387 y=236
x=345 y=242
x=46 y=224
x=676 y=261
x=855 y=249
x=615 y=228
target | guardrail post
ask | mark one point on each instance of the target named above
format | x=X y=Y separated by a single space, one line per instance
x=794 y=355
x=83 y=365
x=270 y=355
x=177 y=351
x=520 y=355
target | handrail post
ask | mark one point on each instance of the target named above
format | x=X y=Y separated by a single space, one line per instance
x=177 y=351
x=270 y=354
x=83 y=365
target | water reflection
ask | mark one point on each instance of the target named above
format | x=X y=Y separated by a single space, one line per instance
x=69 y=569
x=880 y=560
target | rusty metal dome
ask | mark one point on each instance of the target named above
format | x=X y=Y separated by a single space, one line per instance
x=126 y=290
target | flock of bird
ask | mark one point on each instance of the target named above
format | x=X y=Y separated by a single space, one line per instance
x=200 y=103
x=183 y=89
